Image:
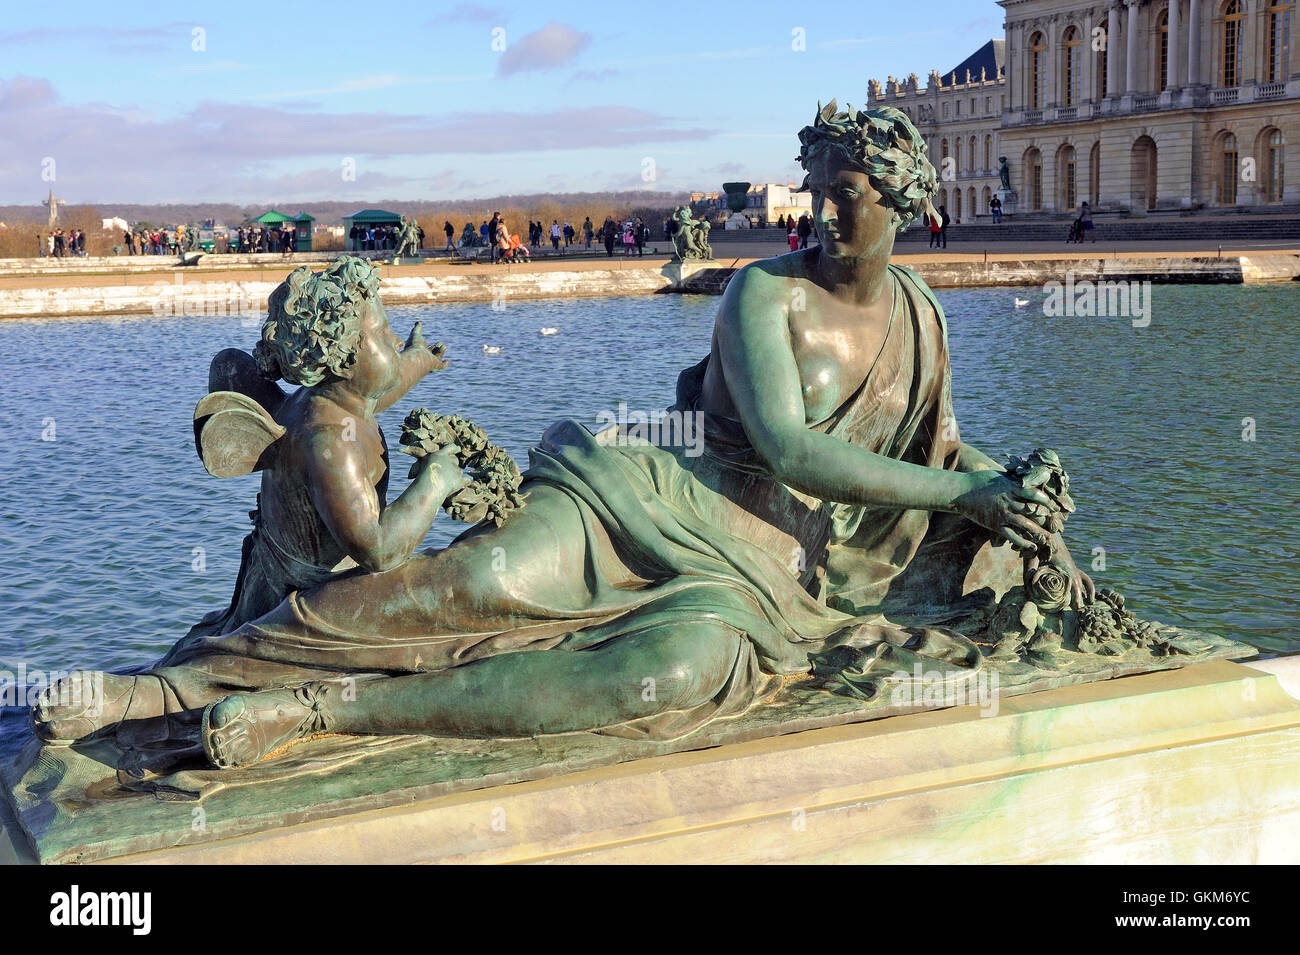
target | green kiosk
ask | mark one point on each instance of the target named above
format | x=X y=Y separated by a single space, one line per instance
x=365 y=220
x=272 y=219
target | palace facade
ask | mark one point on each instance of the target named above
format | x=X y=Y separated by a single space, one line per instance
x=1131 y=105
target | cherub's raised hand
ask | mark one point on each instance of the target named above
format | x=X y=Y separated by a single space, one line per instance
x=437 y=352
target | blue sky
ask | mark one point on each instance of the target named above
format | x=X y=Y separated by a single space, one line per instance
x=281 y=101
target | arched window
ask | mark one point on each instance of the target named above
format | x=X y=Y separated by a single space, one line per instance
x=956 y=155
x=956 y=204
x=985 y=197
x=1102 y=91
x=988 y=152
x=1274 y=170
x=1034 y=163
x=1228 y=170
x=970 y=202
x=972 y=159
x=1094 y=174
x=1230 y=71
x=1037 y=60
x=1070 y=62
x=1162 y=26
x=1067 y=178
x=1279 y=39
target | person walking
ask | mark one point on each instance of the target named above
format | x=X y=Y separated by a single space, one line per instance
x=609 y=228
x=568 y=234
x=804 y=228
x=1085 y=220
x=642 y=234
x=932 y=222
x=588 y=230
x=450 y=231
x=492 y=236
x=556 y=235
x=501 y=238
x=943 y=226
x=995 y=207
x=793 y=239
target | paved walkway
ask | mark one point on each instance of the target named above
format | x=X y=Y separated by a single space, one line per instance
x=728 y=253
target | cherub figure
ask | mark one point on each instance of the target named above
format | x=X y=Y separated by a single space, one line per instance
x=323 y=506
x=323 y=457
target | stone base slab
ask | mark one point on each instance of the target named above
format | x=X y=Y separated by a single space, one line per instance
x=1195 y=765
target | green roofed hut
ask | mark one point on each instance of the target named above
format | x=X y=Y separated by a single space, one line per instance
x=274 y=220
x=302 y=240
x=365 y=220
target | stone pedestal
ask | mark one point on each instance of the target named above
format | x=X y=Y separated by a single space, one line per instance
x=1195 y=765
x=1008 y=199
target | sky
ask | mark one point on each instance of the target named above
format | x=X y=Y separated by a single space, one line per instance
x=250 y=102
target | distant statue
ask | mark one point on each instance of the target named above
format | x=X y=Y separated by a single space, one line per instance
x=691 y=238
x=1004 y=173
x=873 y=89
x=469 y=236
x=408 y=239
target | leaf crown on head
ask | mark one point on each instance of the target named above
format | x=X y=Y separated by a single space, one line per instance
x=881 y=142
x=313 y=327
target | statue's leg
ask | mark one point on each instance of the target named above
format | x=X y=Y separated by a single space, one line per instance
x=86 y=702
x=513 y=695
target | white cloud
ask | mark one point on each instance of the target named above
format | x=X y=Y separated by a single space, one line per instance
x=553 y=45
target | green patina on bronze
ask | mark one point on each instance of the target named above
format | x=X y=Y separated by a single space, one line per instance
x=834 y=527
x=690 y=237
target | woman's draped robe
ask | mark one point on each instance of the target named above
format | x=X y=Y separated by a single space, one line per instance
x=707 y=537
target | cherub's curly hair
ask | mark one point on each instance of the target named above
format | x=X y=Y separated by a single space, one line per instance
x=882 y=143
x=314 y=322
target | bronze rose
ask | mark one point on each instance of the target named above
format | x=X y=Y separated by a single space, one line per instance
x=1049 y=588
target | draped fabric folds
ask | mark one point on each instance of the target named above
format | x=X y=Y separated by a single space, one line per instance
x=700 y=541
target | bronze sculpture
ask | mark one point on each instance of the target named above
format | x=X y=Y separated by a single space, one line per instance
x=835 y=525
x=408 y=239
x=691 y=236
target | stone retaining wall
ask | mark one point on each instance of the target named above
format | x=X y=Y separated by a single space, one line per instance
x=188 y=294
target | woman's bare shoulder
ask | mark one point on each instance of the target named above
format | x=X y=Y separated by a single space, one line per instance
x=765 y=283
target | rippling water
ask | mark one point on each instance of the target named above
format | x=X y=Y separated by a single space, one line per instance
x=114 y=539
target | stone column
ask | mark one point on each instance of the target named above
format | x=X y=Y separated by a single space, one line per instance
x=1131 y=53
x=1113 y=33
x=1194 y=44
x=1172 y=79
x=1251 y=67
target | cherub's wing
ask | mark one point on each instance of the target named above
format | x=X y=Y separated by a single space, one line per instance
x=236 y=370
x=234 y=425
x=234 y=434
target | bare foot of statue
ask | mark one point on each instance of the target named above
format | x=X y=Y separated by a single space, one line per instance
x=244 y=728
x=86 y=702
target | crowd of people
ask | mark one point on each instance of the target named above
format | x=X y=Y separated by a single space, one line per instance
x=493 y=234
x=257 y=239
x=164 y=241
x=60 y=244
